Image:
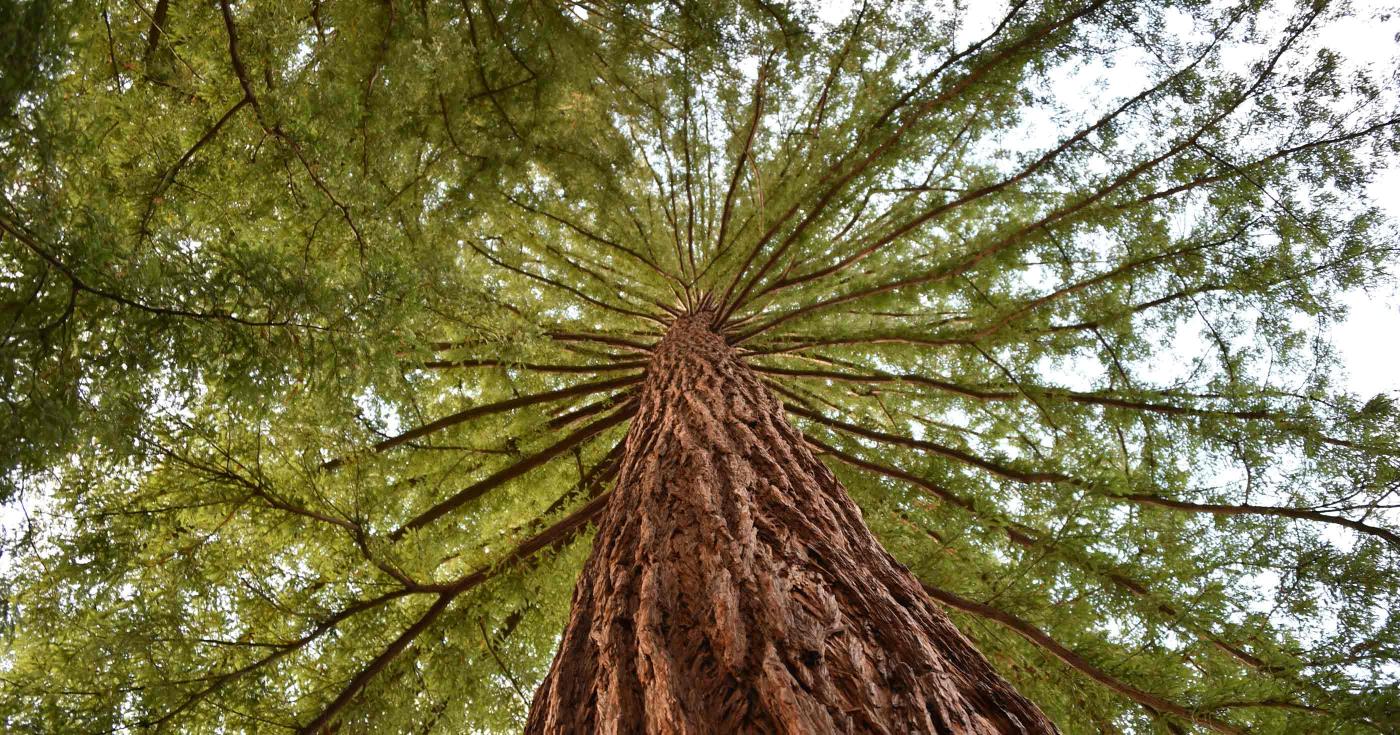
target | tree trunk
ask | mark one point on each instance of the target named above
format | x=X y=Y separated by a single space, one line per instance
x=734 y=587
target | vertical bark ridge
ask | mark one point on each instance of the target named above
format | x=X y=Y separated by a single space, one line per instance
x=734 y=587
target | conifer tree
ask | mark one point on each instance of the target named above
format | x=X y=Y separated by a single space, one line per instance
x=692 y=367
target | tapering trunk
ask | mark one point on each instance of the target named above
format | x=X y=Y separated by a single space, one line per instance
x=733 y=586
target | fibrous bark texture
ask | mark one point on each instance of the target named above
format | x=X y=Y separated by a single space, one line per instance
x=733 y=586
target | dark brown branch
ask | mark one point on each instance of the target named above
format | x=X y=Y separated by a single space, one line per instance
x=531 y=366
x=1140 y=498
x=689 y=191
x=1138 y=308
x=551 y=538
x=236 y=58
x=596 y=238
x=617 y=280
x=743 y=157
x=793 y=344
x=316 y=726
x=994 y=468
x=1028 y=538
x=513 y=471
x=1073 y=288
x=606 y=339
x=1242 y=169
x=593 y=482
x=729 y=302
x=283 y=649
x=505 y=670
x=21 y=234
x=510 y=404
x=155 y=31
x=563 y=286
x=678 y=286
x=276 y=131
x=672 y=212
x=972 y=196
x=818 y=117
x=111 y=48
x=1192 y=291
x=257 y=488
x=1078 y=663
x=972 y=260
x=985 y=394
x=169 y=177
x=564 y=419
x=1388 y=536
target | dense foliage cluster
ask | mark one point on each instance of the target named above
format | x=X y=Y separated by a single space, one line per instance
x=316 y=317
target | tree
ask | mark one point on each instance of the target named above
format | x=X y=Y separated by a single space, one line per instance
x=332 y=331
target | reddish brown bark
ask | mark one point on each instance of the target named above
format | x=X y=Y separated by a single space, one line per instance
x=733 y=586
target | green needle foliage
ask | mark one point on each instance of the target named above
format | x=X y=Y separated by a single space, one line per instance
x=318 y=322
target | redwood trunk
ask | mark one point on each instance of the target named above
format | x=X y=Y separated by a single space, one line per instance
x=733 y=586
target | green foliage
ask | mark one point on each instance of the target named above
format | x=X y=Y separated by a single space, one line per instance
x=1048 y=290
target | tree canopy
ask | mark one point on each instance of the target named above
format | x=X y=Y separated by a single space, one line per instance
x=320 y=322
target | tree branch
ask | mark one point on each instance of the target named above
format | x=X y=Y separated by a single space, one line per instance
x=1386 y=535
x=1078 y=663
x=994 y=468
x=511 y=472
x=510 y=404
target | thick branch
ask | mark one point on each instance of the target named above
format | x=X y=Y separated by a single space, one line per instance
x=315 y=727
x=597 y=238
x=742 y=159
x=155 y=31
x=731 y=301
x=972 y=196
x=283 y=650
x=276 y=131
x=564 y=287
x=169 y=177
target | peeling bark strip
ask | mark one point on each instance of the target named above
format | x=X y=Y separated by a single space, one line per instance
x=734 y=587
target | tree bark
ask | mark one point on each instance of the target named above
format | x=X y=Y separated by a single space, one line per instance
x=733 y=586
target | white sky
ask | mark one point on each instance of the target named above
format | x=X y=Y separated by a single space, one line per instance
x=1369 y=339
